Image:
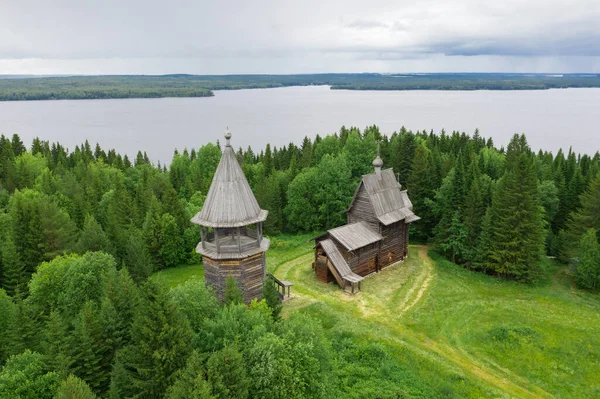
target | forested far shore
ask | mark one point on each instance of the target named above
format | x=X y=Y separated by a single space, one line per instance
x=83 y=229
x=154 y=86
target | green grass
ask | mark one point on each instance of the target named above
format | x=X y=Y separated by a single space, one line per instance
x=546 y=336
x=174 y=276
x=439 y=330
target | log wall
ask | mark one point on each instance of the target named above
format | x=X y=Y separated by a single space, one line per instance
x=322 y=271
x=393 y=246
x=364 y=262
x=362 y=210
x=248 y=272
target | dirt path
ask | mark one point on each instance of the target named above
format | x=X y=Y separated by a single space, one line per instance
x=428 y=273
x=390 y=318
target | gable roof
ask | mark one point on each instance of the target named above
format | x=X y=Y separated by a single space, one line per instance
x=390 y=203
x=355 y=235
x=230 y=201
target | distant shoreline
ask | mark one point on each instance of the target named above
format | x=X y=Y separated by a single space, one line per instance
x=145 y=86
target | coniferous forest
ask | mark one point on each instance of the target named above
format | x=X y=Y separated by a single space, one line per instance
x=83 y=229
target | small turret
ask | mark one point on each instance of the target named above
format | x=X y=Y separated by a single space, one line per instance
x=378 y=163
x=227 y=138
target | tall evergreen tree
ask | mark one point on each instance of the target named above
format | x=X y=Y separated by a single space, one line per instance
x=516 y=227
x=421 y=189
x=160 y=346
x=227 y=374
x=74 y=388
x=588 y=217
x=588 y=261
x=232 y=294
x=88 y=349
x=191 y=381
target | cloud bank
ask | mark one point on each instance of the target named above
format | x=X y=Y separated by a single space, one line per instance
x=134 y=36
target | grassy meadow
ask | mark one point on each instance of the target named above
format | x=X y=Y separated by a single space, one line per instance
x=428 y=328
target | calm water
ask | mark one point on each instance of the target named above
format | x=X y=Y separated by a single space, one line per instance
x=551 y=118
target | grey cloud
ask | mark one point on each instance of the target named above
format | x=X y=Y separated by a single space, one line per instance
x=365 y=24
x=270 y=36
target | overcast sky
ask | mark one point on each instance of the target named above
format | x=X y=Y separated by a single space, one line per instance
x=305 y=36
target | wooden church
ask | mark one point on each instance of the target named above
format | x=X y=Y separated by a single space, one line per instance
x=375 y=236
x=231 y=221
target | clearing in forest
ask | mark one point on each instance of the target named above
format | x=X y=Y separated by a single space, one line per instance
x=515 y=340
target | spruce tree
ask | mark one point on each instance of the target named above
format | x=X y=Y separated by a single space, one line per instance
x=516 y=227
x=474 y=210
x=191 y=381
x=88 y=349
x=421 y=190
x=57 y=344
x=232 y=294
x=160 y=346
x=172 y=251
x=14 y=277
x=227 y=374
x=588 y=217
x=93 y=238
x=588 y=261
x=74 y=388
x=8 y=312
x=137 y=257
x=271 y=296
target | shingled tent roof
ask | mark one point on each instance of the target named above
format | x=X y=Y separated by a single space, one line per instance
x=390 y=203
x=230 y=201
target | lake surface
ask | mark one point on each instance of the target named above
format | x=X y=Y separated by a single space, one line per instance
x=551 y=119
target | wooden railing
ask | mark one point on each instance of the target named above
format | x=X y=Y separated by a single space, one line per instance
x=281 y=287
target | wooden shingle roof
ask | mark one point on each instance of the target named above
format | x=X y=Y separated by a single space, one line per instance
x=355 y=235
x=390 y=203
x=230 y=201
x=339 y=262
